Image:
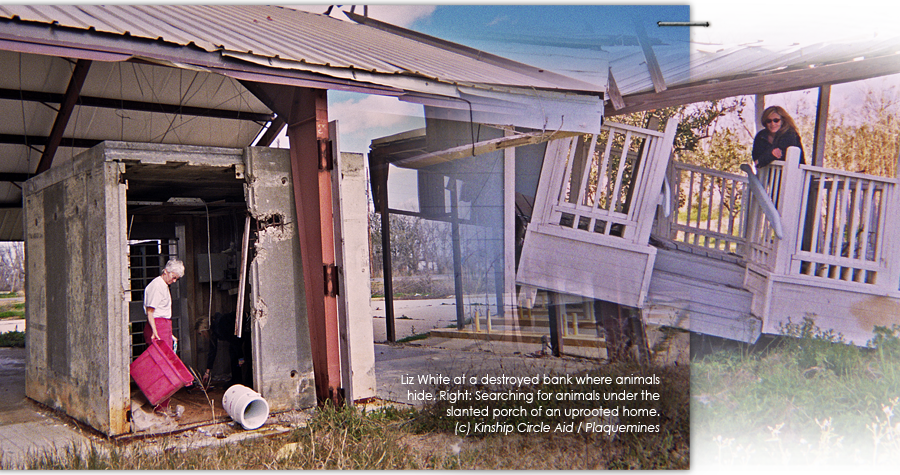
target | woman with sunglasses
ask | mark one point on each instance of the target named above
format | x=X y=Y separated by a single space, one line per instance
x=779 y=132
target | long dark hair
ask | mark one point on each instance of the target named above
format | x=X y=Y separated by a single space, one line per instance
x=787 y=123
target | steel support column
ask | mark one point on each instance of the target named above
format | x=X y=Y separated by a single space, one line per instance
x=457 y=256
x=311 y=174
x=555 y=311
x=378 y=177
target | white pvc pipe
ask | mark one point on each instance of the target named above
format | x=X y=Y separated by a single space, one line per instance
x=245 y=406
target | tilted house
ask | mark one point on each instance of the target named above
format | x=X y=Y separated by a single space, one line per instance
x=612 y=225
x=737 y=257
x=734 y=256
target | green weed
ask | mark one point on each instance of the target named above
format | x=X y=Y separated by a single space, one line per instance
x=809 y=399
x=13 y=338
x=393 y=438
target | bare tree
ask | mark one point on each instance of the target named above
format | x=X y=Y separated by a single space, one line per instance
x=12 y=266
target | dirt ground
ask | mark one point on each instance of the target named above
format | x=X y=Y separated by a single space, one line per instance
x=199 y=408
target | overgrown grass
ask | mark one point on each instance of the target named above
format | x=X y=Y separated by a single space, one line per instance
x=391 y=438
x=420 y=336
x=16 y=310
x=666 y=449
x=333 y=439
x=810 y=399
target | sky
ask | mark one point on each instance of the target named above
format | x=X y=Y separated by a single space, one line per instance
x=521 y=33
x=558 y=38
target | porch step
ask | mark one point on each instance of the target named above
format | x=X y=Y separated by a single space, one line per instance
x=702 y=305
x=708 y=268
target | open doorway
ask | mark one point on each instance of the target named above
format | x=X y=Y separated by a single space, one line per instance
x=197 y=214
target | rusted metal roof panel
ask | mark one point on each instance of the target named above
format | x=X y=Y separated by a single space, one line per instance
x=292 y=35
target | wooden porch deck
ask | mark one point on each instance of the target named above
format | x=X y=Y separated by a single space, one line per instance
x=734 y=256
x=731 y=255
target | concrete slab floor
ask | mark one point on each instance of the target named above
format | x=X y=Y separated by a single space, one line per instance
x=28 y=429
x=24 y=427
x=412 y=317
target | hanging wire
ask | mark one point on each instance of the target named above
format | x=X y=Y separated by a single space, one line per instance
x=181 y=101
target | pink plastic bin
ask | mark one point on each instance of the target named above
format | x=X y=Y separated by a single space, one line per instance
x=159 y=373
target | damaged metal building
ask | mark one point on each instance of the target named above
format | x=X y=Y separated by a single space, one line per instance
x=137 y=133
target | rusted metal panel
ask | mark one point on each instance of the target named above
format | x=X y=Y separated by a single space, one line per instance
x=307 y=125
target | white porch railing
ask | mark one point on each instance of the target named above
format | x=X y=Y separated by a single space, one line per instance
x=607 y=184
x=837 y=225
x=761 y=235
x=844 y=235
x=709 y=208
x=593 y=211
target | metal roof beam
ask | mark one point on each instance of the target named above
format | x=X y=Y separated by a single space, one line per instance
x=65 y=112
x=274 y=129
x=40 y=140
x=121 y=104
x=782 y=81
x=14 y=177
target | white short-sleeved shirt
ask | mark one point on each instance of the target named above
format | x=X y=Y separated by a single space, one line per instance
x=157 y=296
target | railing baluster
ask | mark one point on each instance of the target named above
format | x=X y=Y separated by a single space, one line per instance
x=745 y=227
x=731 y=210
x=804 y=206
x=699 y=207
x=829 y=220
x=721 y=212
x=880 y=230
x=842 y=227
x=567 y=178
x=866 y=219
x=817 y=223
x=690 y=203
x=586 y=171
x=614 y=199
x=855 y=209
x=709 y=209
x=603 y=174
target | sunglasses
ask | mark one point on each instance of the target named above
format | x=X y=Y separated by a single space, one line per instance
x=768 y=121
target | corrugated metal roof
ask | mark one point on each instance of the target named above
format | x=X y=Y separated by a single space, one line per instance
x=295 y=36
x=735 y=61
x=173 y=74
